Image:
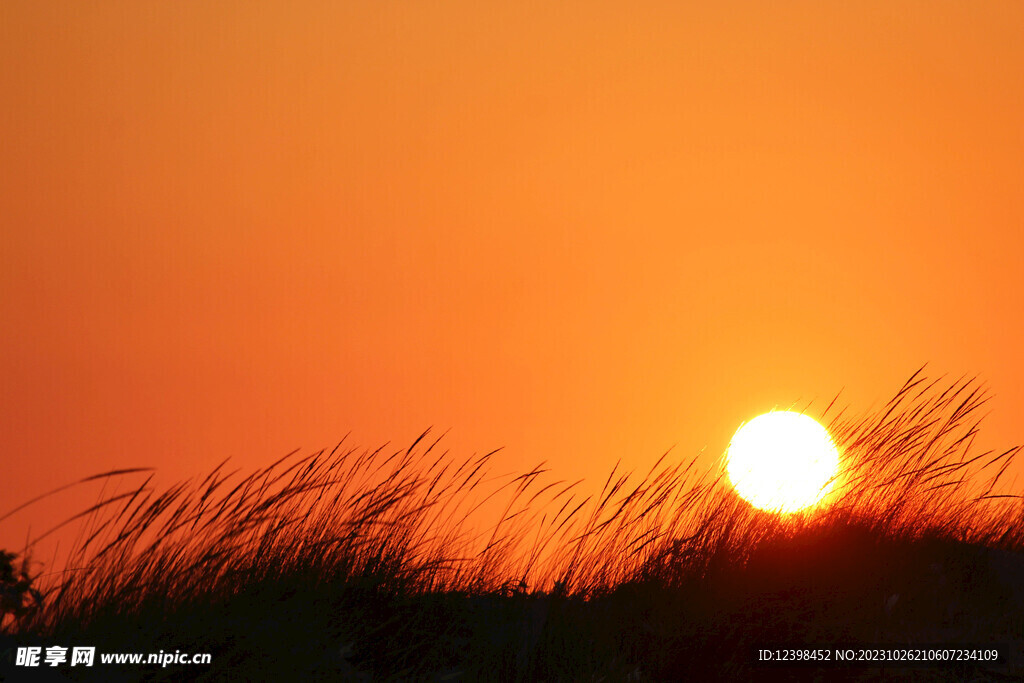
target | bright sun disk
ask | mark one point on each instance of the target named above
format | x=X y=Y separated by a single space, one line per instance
x=782 y=461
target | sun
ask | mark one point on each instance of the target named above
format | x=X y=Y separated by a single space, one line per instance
x=782 y=461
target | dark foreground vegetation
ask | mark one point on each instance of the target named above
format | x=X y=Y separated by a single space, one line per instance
x=374 y=566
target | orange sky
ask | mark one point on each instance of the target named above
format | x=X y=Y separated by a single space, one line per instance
x=581 y=231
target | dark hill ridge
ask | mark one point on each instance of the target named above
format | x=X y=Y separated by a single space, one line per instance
x=846 y=586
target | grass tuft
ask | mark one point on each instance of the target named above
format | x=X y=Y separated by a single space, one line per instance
x=380 y=565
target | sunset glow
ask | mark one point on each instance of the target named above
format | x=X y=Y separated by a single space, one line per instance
x=574 y=232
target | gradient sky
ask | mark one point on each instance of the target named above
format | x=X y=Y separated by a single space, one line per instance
x=582 y=231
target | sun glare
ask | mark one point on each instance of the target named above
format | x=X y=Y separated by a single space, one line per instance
x=782 y=461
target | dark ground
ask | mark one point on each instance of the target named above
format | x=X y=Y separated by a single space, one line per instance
x=845 y=589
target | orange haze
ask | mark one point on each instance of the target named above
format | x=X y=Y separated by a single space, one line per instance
x=582 y=231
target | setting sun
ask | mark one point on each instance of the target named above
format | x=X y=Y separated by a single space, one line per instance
x=782 y=461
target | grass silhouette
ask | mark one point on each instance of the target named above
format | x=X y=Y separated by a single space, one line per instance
x=376 y=565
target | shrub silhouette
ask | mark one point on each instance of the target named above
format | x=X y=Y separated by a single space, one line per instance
x=19 y=597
